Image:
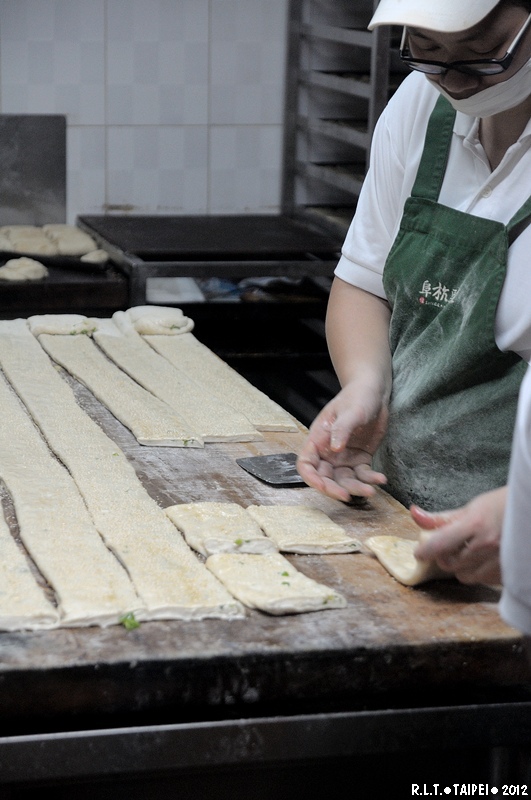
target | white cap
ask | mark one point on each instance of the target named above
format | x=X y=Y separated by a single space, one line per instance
x=436 y=15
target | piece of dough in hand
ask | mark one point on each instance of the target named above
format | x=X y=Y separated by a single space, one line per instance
x=397 y=556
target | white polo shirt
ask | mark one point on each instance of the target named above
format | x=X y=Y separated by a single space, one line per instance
x=469 y=185
x=515 y=605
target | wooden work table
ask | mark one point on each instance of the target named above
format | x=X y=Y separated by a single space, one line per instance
x=390 y=636
x=392 y=647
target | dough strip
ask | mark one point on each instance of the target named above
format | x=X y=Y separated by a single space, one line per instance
x=90 y=584
x=169 y=578
x=213 y=420
x=150 y=420
x=189 y=355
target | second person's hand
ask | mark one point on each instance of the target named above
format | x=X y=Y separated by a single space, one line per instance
x=467 y=539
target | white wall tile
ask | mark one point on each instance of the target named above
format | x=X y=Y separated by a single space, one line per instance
x=157 y=169
x=172 y=106
x=247 y=61
x=85 y=191
x=245 y=173
x=52 y=59
x=157 y=62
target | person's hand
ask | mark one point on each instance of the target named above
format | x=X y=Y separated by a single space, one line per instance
x=467 y=541
x=337 y=455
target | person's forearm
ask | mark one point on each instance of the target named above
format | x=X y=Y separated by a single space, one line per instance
x=357 y=329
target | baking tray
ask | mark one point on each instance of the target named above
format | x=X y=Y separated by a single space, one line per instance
x=231 y=237
x=59 y=262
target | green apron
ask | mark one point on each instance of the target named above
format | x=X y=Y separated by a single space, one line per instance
x=454 y=395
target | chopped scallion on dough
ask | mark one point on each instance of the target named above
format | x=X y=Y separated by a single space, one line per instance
x=130 y=622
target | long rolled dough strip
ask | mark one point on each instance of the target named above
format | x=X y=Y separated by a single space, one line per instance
x=150 y=420
x=270 y=583
x=397 y=556
x=189 y=355
x=23 y=604
x=169 y=578
x=90 y=584
x=302 y=529
x=213 y=420
x=212 y=527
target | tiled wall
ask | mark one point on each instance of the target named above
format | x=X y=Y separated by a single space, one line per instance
x=172 y=106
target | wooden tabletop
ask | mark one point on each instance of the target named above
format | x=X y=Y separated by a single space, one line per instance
x=442 y=639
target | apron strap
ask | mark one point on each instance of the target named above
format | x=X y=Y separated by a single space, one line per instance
x=432 y=166
x=519 y=222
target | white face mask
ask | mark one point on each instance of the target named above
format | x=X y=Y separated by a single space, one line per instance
x=496 y=98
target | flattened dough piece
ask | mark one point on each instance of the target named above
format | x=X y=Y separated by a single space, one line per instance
x=91 y=586
x=7 y=230
x=16 y=231
x=164 y=320
x=23 y=604
x=61 y=324
x=98 y=256
x=270 y=583
x=212 y=527
x=150 y=420
x=29 y=239
x=302 y=529
x=166 y=574
x=396 y=555
x=69 y=239
x=189 y=355
x=213 y=420
x=23 y=269
x=34 y=247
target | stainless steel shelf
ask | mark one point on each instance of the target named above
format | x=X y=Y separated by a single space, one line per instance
x=352 y=83
x=339 y=79
x=348 y=177
x=350 y=131
x=333 y=33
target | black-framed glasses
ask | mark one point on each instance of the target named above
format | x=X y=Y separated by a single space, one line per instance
x=479 y=66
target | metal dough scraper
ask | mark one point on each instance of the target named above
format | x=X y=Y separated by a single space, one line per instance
x=278 y=469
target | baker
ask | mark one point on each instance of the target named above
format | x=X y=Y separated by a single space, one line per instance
x=429 y=320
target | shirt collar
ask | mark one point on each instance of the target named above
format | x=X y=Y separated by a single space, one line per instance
x=467 y=127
